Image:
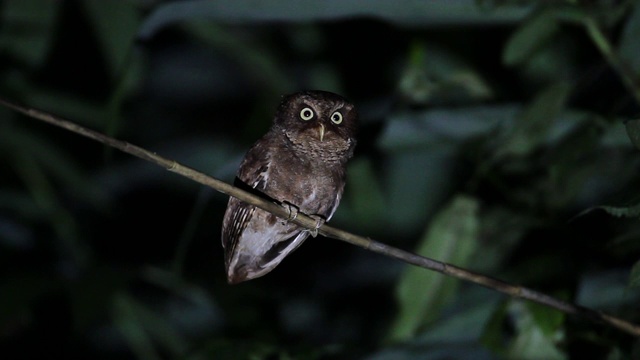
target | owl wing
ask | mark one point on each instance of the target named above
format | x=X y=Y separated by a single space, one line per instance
x=235 y=221
x=252 y=176
x=254 y=240
x=336 y=201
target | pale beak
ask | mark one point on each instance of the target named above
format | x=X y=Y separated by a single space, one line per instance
x=321 y=132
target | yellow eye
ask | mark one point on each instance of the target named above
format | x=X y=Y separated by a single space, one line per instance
x=306 y=114
x=336 y=118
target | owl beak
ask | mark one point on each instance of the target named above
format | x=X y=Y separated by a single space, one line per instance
x=321 y=130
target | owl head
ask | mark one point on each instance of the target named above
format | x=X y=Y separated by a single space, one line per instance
x=318 y=123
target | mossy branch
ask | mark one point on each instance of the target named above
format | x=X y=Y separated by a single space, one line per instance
x=331 y=232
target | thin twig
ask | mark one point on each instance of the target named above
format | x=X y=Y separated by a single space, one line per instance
x=328 y=231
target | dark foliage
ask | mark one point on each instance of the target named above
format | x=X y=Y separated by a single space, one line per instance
x=495 y=135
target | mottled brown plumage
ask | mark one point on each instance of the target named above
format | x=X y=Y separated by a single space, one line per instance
x=299 y=163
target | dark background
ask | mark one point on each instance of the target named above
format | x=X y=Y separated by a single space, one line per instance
x=493 y=136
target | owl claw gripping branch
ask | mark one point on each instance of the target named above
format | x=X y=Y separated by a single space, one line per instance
x=301 y=162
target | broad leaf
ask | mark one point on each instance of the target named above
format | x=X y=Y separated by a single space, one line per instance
x=617 y=211
x=629 y=47
x=532 y=340
x=634 y=277
x=116 y=41
x=403 y=12
x=534 y=124
x=421 y=294
x=633 y=130
x=531 y=36
x=28 y=28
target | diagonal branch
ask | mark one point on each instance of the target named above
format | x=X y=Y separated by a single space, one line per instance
x=328 y=231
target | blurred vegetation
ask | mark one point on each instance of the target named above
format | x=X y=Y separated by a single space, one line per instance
x=495 y=135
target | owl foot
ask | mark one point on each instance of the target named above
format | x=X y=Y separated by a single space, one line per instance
x=292 y=209
x=319 y=222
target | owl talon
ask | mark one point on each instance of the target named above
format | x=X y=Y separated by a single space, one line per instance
x=319 y=222
x=292 y=209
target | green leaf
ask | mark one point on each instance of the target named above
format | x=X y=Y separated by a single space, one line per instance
x=258 y=60
x=634 y=276
x=366 y=202
x=428 y=129
x=226 y=349
x=115 y=24
x=616 y=354
x=633 y=130
x=625 y=211
x=531 y=341
x=60 y=166
x=412 y=198
x=493 y=333
x=606 y=289
x=405 y=12
x=28 y=29
x=92 y=293
x=141 y=326
x=429 y=141
x=19 y=292
x=504 y=230
x=617 y=211
x=126 y=320
x=466 y=319
x=435 y=74
x=20 y=203
x=161 y=330
x=629 y=47
x=43 y=193
x=421 y=294
x=529 y=38
x=534 y=124
x=548 y=319
x=616 y=135
x=177 y=285
x=72 y=107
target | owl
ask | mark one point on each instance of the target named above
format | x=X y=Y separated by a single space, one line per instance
x=299 y=163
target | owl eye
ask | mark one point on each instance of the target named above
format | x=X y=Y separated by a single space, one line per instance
x=306 y=114
x=336 y=117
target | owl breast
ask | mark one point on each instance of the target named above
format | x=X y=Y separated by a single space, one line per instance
x=310 y=178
